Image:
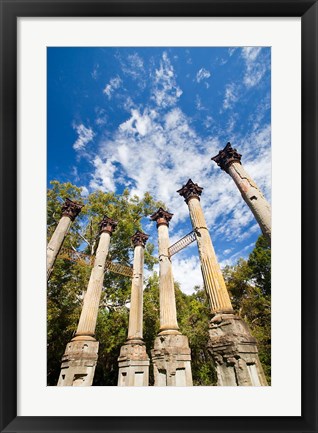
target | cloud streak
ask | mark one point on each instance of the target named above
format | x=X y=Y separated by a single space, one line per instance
x=85 y=135
x=113 y=84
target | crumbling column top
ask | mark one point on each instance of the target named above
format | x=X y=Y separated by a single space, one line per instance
x=226 y=157
x=107 y=225
x=190 y=190
x=139 y=239
x=71 y=209
x=161 y=216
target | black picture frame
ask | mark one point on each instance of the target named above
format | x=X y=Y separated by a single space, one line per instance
x=10 y=11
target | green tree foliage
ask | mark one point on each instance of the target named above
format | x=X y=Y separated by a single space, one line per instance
x=193 y=318
x=249 y=283
x=69 y=280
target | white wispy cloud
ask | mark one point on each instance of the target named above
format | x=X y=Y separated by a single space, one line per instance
x=104 y=175
x=159 y=153
x=113 y=84
x=165 y=90
x=95 y=72
x=243 y=253
x=85 y=135
x=187 y=272
x=208 y=121
x=230 y=96
x=84 y=191
x=133 y=66
x=202 y=74
x=157 y=149
x=101 y=116
x=198 y=103
x=255 y=67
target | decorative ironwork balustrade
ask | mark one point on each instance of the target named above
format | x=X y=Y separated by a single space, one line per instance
x=182 y=243
x=86 y=259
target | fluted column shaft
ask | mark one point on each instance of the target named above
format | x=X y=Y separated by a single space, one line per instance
x=253 y=197
x=168 y=311
x=211 y=272
x=56 y=242
x=87 y=323
x=229 y=160
x=70 y=210
x=136 y=300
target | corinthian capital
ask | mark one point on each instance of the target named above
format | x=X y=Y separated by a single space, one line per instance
x=226 y=157
x=107 y=225
x=71 y=209
x=139 y=239
x=161 y=216
x=190 y=190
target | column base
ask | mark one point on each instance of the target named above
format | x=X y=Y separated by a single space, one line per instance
x=79 y=363
x=133 y=364
x=171 y=357
x=234 y=352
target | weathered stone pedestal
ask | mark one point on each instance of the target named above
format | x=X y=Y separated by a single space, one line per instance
x=133 y=361
x=232 y=346
x=171 y=355
x=133 y=364
x=81 y=352
x=78 y=363
x=171 y=358
x=234 y=351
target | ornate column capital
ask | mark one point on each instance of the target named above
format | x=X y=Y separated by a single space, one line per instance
x=139 y=239
x=190 y=190
x=226 y=157
x=71 y=209
x=161 y=216
x=107 y=225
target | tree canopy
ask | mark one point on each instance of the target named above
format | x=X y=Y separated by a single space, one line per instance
x=248 y=283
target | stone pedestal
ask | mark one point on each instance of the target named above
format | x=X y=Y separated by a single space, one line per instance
x=171 y=357
x=83 y=344
x=133 y=361
x=171 y=354
x=133 y=364
x=167 y=298
x=234 y=352
x=78 y=363
x=229 y=160
x=233 y=348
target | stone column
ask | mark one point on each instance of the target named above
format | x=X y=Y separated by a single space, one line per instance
x=233 y=348
x=230 y=161
x=70 y=210
x=168 y=312
x=212 y=276
x=80 y=357
x=133 y=360
x=171 y=354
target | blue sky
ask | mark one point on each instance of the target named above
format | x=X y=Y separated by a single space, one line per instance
x=148 y=119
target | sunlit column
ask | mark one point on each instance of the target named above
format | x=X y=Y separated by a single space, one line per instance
x=168 y=313
x=133 y=361
x=171 y=355
x=230 y=161
x=136 y=301
x=87 y=323
x=211 y=272
x=70 y=210
x=81 y=353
